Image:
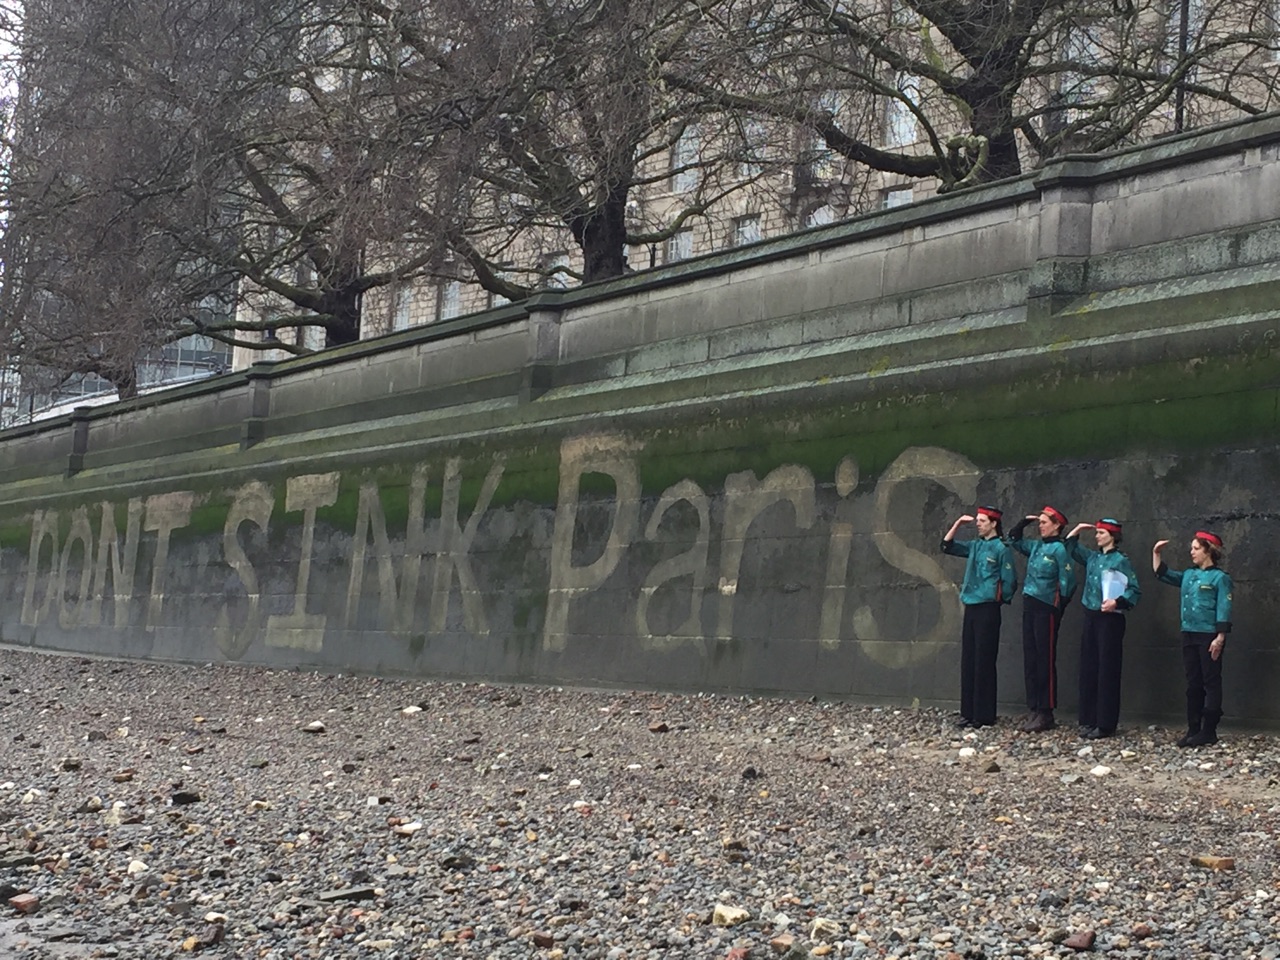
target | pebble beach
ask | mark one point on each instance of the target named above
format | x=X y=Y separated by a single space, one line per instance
x=155 y=810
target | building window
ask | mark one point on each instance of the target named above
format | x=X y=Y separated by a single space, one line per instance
x=684 y=156
x=746 y=229
x=897 y=197
x=818 y=162
x=502 y=273
x=450 y=303
x=755 y=136
x=680 y=246
x=900 y=120
x=820 y=216
x=402 y=308
x=1082 y=51
x=554 y=268
x=1275 y=30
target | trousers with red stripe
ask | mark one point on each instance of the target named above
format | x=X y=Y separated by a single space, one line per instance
x=1040 y=622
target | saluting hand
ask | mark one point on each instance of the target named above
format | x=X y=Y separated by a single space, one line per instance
x=1160 y=545
x=966 y=519
x=1078 y=527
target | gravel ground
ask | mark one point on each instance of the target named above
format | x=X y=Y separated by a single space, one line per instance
x=159 y=810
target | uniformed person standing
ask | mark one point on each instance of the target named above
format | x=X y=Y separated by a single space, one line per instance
x=1046 y=591
x=1206 y=621
x=989 y=582
x=1110 y=589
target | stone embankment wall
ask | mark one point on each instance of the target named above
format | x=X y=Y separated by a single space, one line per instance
x=729 y=475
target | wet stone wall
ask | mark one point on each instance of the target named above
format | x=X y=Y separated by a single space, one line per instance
x=729 y=475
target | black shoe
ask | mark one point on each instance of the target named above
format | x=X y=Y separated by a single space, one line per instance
x=1203 y=738
x=1185 y=739
x=1085 y=728
x=1097 y=733
x=1044 y=721
x=965 y=722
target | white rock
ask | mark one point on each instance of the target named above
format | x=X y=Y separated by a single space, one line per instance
x=726 y=916
x=136 y=867
x=214 y=917
x=824 y=929
x=1100 y=770
x=1128 y=754
x=407 y=829
x=411 y=710
x=315 y=726
x=1207 y=765
x=967 y=752
x=1085 y=752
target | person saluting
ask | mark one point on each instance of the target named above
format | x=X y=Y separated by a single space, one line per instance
x=1047 y=589
x=1206 y=621
x=1110 y=589
x=989 y=582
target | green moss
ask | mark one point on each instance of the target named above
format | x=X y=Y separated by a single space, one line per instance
x=15 y=536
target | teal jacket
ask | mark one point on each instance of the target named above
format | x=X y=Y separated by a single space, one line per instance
x=1051 y=574
x=988 y=574
x=1206 y=598
x=1095 y=563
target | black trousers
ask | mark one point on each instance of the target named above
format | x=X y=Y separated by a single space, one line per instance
x=979 y=644
x=1101 y=656
x=1040 y=622
x=1204 y=678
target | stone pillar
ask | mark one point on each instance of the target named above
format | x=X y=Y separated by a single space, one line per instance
x=258 y=381
x=544 y=346
x=1066 y=228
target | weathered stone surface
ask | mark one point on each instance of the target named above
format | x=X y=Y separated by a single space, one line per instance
x=728 y=475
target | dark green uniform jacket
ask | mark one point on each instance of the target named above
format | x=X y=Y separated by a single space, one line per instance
x=988 y=574
x=1095 y=563
x=1206 y=598
x=1051 y=574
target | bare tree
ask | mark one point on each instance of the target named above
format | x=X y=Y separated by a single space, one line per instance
x=970 y=91
x=240 y=168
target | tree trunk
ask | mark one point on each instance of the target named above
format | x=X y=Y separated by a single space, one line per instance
x=124 y=378
x=346 y=313
x=341 y=300
x=603 y=236
x=993 y=118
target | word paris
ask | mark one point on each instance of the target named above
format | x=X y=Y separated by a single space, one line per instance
x=89 y=580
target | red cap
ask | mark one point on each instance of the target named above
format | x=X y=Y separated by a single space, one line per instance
x=1207 y=537
x=1059 y=518
x=991 y=512
x=1111 y=526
